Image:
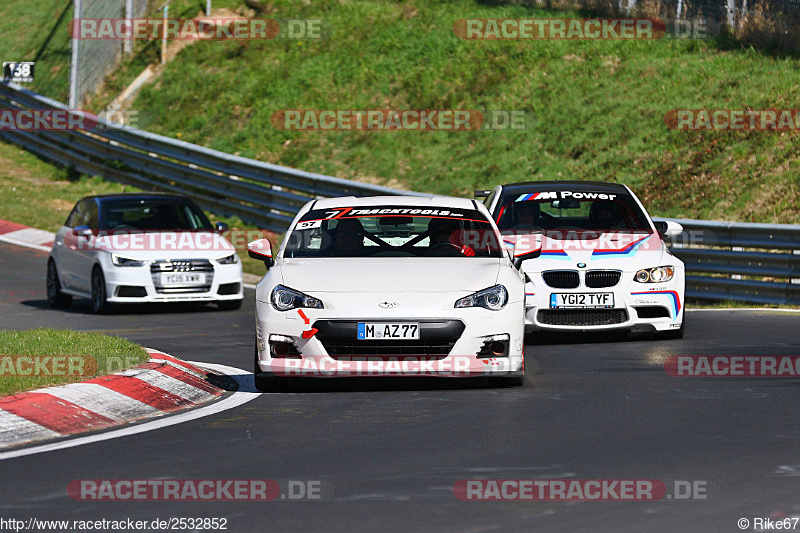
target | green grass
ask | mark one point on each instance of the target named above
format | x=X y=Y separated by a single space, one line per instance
x=103 y=355
x=599 y=107
x=40 y=195
x=25 y=27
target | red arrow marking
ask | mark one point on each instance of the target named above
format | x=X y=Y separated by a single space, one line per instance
x=310 y=333
x=302 y=314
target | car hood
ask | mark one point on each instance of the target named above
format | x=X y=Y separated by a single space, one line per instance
x=610 y=250
x=390 y=274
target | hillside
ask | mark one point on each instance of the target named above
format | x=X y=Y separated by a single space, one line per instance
x=599 y=107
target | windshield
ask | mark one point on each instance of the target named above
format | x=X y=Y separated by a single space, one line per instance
x=149 y=214
x=567 y=211
x=392 y=231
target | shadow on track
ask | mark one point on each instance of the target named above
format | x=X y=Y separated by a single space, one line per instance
x=384 y=384
x=81 y=306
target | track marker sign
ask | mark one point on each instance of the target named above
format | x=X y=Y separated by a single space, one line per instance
x=18 y=71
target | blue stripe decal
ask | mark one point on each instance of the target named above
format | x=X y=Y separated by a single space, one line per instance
x=631 y=249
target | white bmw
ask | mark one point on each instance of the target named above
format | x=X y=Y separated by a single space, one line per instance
x=142 y=248
x=384 y=286
x=597 y=260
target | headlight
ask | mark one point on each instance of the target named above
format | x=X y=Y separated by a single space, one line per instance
x=227 y=259
x=122 y=261
x=655 y=275
x=284 y=299
x=493 y=298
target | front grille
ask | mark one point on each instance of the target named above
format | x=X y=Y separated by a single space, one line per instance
x=561 y=279
x=597 y=279
x=165 y=266
x=652 y=311
x=582 y=317
x=437 y=338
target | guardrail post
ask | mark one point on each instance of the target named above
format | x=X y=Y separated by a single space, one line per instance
x=164 y=35
x=75 y=43
x=128 y=43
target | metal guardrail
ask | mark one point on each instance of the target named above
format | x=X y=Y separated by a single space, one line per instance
x=257 y=192
x=740 y=261
x=737 y=261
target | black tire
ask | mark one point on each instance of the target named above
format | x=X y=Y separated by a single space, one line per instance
x=229 y=305
x=676 y=333
x=507 y=381
x=269 y=383
x=55 y=298
x=100 y=305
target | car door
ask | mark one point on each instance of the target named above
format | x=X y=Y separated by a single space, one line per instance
x=75 y=254
x=65 y=243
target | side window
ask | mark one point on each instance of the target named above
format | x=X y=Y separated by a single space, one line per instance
x=70 y=219
x=92 y=216
x=75 y=218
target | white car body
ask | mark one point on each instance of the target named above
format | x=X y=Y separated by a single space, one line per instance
x=390 y=289
x=647 y=306
x=171 y=266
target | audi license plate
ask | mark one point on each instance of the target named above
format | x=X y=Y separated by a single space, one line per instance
x=387 y=331
x=587 y=300
x=183 y=279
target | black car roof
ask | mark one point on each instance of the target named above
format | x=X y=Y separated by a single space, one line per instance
x=140 y=196
x=593 y=186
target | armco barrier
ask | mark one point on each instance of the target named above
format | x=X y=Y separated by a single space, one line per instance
x=261 y=193
x=740 y=261
x=737 y=261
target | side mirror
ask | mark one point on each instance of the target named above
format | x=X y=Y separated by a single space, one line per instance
x=261 y=250
x=222 y=227
x=668 y=228
x=482 y=193
x=82 y=231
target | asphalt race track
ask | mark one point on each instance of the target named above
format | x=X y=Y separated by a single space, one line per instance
x=388 y=456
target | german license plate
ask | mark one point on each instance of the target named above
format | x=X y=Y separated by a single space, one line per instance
x=387 y=331
x=588 y=300
x=183 y=279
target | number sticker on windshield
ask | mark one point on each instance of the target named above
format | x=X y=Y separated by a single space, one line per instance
x=309 y=224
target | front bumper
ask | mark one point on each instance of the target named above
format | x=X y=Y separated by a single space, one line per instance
x=138 y=285
x=637 y=306
x=449 y=344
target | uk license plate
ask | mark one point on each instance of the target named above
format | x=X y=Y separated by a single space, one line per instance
x=183 y=279
x=588 y=300
x=387 y=331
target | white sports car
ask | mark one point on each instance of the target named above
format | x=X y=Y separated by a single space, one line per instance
x=592 y=257
x=384 y=286
x=142 y=248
